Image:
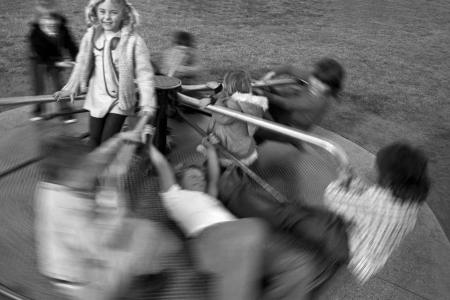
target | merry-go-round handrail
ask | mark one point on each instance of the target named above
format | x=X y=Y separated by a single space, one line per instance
x=336 y=151
x=25 y=100
x=258 y=83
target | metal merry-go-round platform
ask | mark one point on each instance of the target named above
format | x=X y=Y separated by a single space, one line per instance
x=418 y=270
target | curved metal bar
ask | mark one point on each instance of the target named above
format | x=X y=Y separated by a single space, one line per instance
x=258 y=83
x=336 y=151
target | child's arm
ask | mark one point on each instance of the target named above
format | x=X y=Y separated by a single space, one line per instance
x=144 y=76
x=165 y=172
x=74 y=84
x=84 y=177
x=291 y=71
x=213 y=170
x=298 y=103
x=69 y=42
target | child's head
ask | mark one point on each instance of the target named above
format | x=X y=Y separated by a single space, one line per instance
x=328 y=74
x=49 y=23
x=192 y=178
x=183 y=38
x=112 y=15
x=403 y=169
x=62 y=155
x=237 y=81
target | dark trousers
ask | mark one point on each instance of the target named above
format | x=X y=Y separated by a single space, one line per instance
x=42 y=72
x=101 y=129
x=292 y=270
x=160 y=121
x=233 y=253
x=323 y=230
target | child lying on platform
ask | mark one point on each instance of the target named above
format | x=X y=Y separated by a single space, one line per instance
x=87 y=244
x=237 y=136
x=384 y=213
x=229 y=248
x=301 y=107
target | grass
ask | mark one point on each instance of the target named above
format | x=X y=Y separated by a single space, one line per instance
x=395 y=53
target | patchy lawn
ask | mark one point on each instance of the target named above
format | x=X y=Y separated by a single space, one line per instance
x=396 y=54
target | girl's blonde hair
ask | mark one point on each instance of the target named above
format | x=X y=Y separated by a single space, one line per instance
x=131 y=16
x=237 y=81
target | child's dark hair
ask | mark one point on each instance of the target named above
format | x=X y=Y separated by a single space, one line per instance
x=60 y=155
x=330 y=72
x=403 y=169
x=183 y=38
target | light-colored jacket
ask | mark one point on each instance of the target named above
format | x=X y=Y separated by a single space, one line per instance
x=134 y=68
x=235 y=135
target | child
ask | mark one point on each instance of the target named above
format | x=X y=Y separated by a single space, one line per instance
x=49 y=38
x=87 y=244
x=237 y=136
x=229 y=248
x=112 y=57
x=382 y=214
x=292 y=106
x=180 y=61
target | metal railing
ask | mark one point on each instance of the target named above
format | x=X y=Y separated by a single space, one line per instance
x=336 y=151
x=256 y=84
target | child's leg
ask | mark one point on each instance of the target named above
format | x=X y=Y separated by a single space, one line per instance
x=38 y=70
x=113 y=125
x=95 y=131
x=292 y=269
x=319 y=227
x=233 y=253
x=143 y=254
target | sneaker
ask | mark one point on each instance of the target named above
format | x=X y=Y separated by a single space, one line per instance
x=35 y=118
x=70 y=121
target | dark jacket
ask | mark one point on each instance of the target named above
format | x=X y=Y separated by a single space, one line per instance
x=47 y=49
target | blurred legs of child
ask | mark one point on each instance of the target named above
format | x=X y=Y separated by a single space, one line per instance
x=232 y=253
x=41 y=73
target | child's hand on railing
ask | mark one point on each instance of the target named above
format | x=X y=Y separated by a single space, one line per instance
x=204 y=102
x=147 y=132
x=212 y=85
x=258 y=91
x=132 y=136
x=268 y=76
x=212 y=139
x=346 y=176
x=59 y=95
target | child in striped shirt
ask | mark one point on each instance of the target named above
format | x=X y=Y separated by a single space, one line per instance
x=380 y=215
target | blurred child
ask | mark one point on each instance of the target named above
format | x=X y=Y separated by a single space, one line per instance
x=381 y=215
x=87 y=244
x=237 y=136
x=299 y=108
x=229 y=248
x=180 y=60
x=49 y=39
x=112 y=58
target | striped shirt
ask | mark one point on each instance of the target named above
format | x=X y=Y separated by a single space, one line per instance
x=379 y=222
